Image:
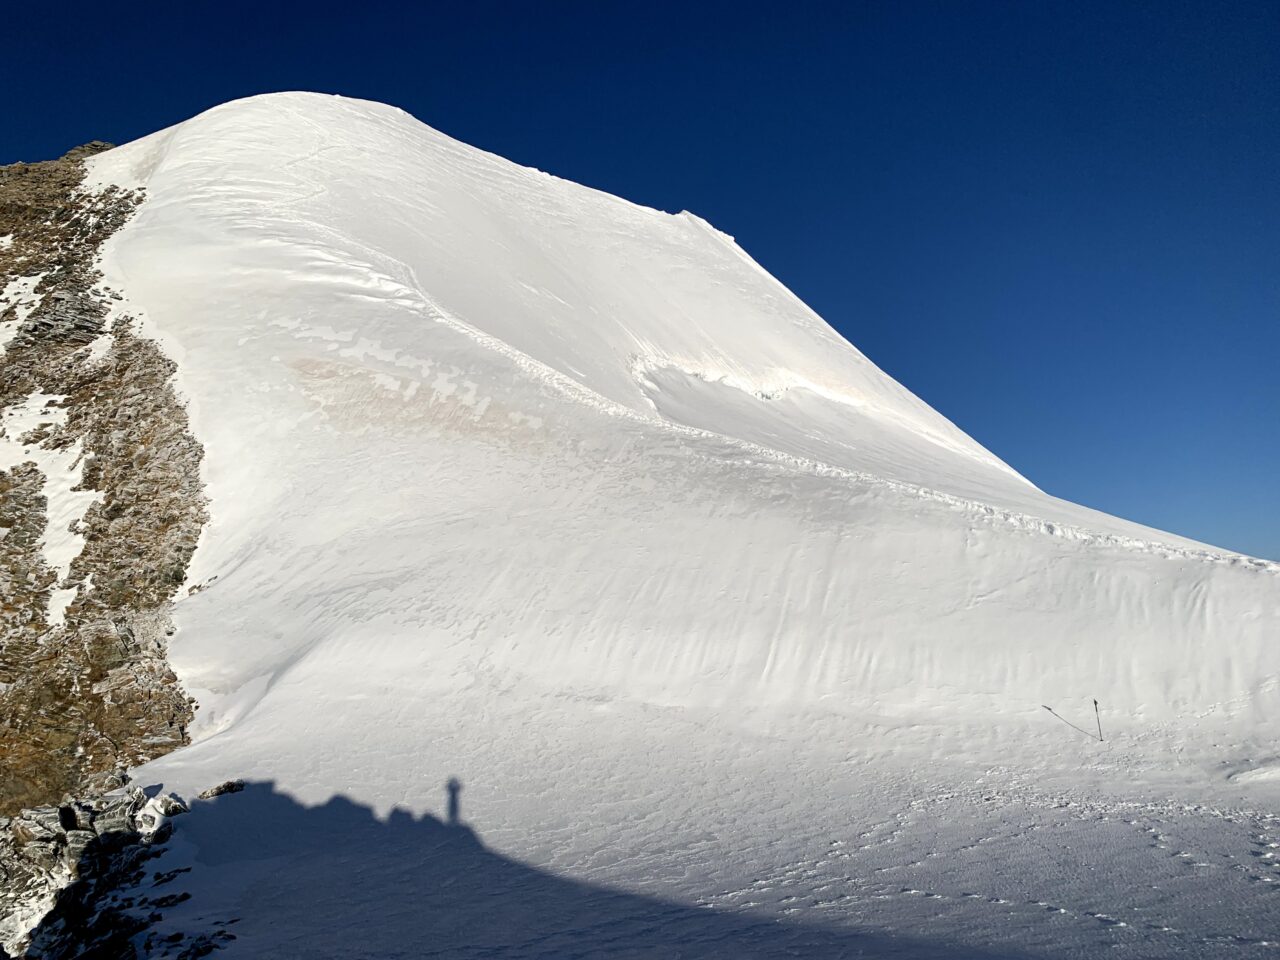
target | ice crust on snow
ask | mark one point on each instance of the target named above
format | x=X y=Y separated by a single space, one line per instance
x=489 y=450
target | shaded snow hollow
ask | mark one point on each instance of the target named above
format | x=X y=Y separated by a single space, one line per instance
x=516 y=480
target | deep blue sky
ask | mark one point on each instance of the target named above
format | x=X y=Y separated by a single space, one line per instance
x=1058 y=223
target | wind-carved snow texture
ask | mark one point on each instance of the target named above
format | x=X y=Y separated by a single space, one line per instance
x=737 y=647
x=100 y=502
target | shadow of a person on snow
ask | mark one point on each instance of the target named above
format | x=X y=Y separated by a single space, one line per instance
x=273 y=877
x=454 y=787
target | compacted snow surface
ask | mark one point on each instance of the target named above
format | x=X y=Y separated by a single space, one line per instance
x=735 y=646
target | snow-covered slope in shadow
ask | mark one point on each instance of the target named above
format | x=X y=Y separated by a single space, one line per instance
x=435 y=888
x=475 y=436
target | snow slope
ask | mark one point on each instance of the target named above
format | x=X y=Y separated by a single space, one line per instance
x=514 y=480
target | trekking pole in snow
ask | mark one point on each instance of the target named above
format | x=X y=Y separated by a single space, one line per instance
x=1098 y=717
x=1066 y=721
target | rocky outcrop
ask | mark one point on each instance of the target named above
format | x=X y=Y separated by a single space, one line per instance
x=41 y=852
x=88 y=417
x=73 y=875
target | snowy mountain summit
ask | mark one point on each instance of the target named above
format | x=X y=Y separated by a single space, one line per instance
x=463 y=414
x=516 y=482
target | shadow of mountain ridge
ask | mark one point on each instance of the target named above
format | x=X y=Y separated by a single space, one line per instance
x=260 y=875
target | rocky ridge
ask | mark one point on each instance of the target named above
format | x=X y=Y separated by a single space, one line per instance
x=84 y=687
x=101 y=507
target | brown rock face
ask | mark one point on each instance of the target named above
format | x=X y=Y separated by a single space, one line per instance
x=84 y=689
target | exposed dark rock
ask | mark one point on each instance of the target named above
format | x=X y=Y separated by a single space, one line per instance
x=229 y=786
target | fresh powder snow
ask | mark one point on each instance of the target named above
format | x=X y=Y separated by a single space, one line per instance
x=733 y=645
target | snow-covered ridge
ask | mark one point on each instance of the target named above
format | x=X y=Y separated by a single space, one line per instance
x=621 y=289
x=614 y=280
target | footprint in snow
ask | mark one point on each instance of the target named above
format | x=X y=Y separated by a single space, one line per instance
x=1106 y=920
